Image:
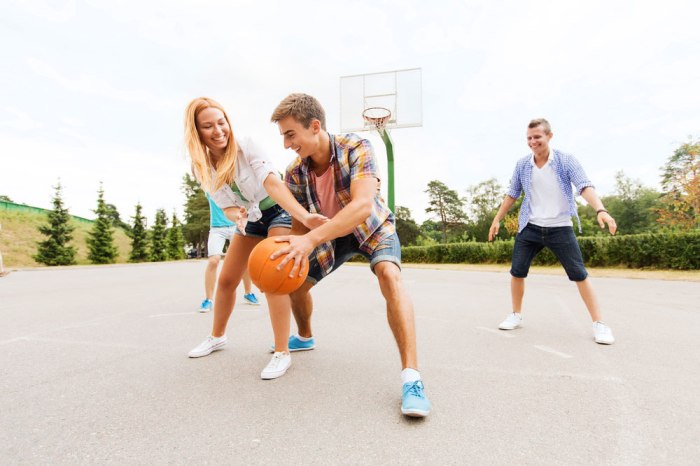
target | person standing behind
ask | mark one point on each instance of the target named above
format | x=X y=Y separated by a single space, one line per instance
x=544 y=220
x=221 y=229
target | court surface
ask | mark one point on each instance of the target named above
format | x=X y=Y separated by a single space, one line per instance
x=94 y=370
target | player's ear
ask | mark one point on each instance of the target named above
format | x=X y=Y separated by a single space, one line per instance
x=316 y=125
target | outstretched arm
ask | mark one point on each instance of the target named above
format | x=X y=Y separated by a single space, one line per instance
x=502 y=211
x=602 y=215
x=281 y=195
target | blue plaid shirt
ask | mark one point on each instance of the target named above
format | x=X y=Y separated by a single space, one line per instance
x=568 y=171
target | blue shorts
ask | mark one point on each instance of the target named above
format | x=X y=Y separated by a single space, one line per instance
x=345 y=247
x=274 y=217
x=560 y=240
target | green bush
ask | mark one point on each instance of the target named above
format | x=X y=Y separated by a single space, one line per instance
x=658 y=250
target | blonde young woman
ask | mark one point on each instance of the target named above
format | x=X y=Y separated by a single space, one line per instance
x=242 y=181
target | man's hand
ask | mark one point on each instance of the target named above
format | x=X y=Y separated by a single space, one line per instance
x=493 y=231
x=298 y=250
x=605 y=218
x=312 y=221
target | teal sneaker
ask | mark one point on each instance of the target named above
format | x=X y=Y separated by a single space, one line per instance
x=414 y=403
x=250 y=298
x=295 y=344
x=206 y=305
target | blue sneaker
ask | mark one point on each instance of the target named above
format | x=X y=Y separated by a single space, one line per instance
x=250 y=298
x=414 y=403
x=207 y=305
x=295 y=344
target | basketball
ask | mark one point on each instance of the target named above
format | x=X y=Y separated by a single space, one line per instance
x=263 y=271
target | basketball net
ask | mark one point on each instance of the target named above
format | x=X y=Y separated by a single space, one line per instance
x=377 y=117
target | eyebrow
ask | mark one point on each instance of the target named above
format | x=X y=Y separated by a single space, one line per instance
x=288 y=131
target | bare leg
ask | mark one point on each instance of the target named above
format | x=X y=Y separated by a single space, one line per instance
x=280 y=309
x=586 y=291
x=517 y=291
x=210 y=276
x=246 y=281
x=399 y=309
x=235 y=264
x=302 y=307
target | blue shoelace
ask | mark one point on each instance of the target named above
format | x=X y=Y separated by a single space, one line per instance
x=415 y=389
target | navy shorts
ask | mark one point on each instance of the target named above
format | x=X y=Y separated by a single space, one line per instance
x=274 y=217
x=345 y=247
x=560 y=240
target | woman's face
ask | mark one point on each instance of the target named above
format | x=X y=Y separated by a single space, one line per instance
x=213 y=129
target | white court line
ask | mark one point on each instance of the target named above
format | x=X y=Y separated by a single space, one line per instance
x=547 y=349
x=500 y=333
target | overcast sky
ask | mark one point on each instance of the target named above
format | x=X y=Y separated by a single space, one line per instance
x=94 y=91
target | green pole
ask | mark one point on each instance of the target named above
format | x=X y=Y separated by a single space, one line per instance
x=389 y=166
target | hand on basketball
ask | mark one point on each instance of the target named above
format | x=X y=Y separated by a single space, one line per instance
x=298 y=250
x=605 y=218
x=493 y=231
x=312 y=221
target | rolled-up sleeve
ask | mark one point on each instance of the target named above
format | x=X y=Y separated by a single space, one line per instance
x=515 y=188
x=578 y=175
x=260 y=163
x=225 y=197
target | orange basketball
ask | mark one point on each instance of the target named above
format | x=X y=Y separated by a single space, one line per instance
x=263 y=271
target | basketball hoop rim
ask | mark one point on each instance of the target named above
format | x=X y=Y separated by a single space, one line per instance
x=378 y=122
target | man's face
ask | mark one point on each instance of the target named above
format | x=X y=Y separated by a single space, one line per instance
x=303 y=141
x=538 y=140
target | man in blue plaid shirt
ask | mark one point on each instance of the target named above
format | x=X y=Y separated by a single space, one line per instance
x=546 y=177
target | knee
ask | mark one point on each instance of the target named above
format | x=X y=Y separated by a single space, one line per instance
x=389 y=276
x=213 y=262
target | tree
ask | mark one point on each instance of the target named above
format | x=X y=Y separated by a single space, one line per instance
x=4 y=198
x=175 y=248
x=406 y=227
x=139 y=237
x=446 y=205
x=158 y=237
x=55 y=249
x=113 y=215
x=482 y=201
x=680 y=181
x=101 y=238
x=195 y=226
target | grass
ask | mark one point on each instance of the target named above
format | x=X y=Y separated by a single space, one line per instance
x=19 y=237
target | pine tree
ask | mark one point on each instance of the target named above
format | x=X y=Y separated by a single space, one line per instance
x=55 y=250
x=195 y=225
x=101 y=239
x=175 y=241
x=139 y=238
x=158 y=237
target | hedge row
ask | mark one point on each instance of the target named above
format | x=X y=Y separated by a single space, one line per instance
x=659 y=250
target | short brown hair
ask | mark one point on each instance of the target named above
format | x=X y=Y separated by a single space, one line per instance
x=302 y=107
x=540 y=122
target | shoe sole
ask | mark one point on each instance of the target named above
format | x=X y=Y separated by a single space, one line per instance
x=509 y=328
x=215 y=348
x=274 y=375
x=600 y=342
x=272 y=349
x=414 y=412
x=251 y=304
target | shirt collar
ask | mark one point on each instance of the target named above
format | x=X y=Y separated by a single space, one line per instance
x=550 y=159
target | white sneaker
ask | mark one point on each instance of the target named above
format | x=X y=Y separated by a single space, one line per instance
x=206 y=347
x=277 y=366
x=602 y=334
x=513 y=321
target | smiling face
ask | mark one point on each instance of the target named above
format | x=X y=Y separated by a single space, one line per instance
x=213 y=129
x=538 y=140
x=304 y=141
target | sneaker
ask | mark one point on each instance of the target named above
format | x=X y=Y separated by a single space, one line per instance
x=208 y=346
x=295 y=344
x=277 y=366
x=603 y=334
x=206 y=305
x=513 y=321
x=251 y=299
x=414 y=403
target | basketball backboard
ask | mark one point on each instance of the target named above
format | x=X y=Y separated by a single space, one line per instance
x=398 y=91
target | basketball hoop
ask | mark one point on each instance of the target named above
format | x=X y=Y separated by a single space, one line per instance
x=377 y=117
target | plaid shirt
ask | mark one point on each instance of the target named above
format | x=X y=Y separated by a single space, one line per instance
x=352 y=158
x=568 y=171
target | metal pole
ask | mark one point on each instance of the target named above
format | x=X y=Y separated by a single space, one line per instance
x=389 y=166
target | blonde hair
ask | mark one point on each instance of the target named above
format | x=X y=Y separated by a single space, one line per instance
x=199 y=153
x=540 y=122
x=302 y=107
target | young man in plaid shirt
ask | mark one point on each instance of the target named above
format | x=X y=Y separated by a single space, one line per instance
x=337 y=176
x=546 y=177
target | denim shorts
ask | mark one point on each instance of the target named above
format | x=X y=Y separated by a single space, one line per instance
x=274 y=217
x=560 y=240
x=345 y=247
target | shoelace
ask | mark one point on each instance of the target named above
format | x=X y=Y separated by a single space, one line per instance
x=276 y=360
x=415 y=389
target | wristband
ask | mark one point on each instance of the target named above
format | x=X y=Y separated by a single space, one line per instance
x=600 y=210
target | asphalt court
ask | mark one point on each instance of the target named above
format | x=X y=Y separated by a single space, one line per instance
x=94 y=370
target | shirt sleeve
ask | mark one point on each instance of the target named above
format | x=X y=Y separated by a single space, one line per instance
x=293 y=181
x=363 y=163
x=259 y=161
x=578 y=175
x=516 y=187
x=225 y=198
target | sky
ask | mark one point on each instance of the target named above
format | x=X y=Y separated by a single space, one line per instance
x=94 y=91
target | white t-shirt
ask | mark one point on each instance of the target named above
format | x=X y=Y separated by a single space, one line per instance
x=548 y=206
